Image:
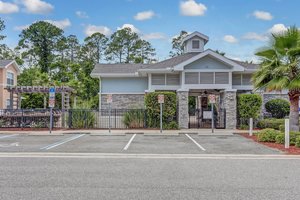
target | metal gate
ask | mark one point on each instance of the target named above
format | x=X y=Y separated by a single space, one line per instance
x=202 y=118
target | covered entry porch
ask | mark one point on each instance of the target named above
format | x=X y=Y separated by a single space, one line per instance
x=194 y=109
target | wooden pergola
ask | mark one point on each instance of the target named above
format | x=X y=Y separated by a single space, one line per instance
x=65 y=91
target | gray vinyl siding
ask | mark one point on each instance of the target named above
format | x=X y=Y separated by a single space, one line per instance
x=124 y=85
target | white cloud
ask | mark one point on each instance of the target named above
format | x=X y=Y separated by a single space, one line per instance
x=37 y=6
x=192 y=8
x=91 y=29
x=144 y=15
x=262 y=15
x=278 y=28
x=230 y=39
x=65 y=23
x=8 y=8
x=21 y=28
x=154 y=36
x=131 y=26
x=81 y=14
x=255 y=36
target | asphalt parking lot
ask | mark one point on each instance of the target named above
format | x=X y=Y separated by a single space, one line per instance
x=133 y=144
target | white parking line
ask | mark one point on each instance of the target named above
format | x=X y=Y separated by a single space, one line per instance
x=8 y=136
x=196 y=143
x=51 y=146
x=129 y=142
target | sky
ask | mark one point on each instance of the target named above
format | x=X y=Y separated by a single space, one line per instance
x=237 y=27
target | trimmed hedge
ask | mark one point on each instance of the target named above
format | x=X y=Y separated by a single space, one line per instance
x=298 y=142
x=278 y=108
x=249 y=106
x=280 y=139
x=267 y=135
x=153 y=109
x=271 y=123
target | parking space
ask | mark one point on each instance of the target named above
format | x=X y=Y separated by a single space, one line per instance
x=133 y=144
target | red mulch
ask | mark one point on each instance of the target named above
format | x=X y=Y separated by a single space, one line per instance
x=292 y=150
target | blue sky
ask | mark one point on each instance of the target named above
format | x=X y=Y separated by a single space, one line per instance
x=237 y=27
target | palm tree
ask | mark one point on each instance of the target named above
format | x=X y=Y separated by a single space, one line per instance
x=280 y=69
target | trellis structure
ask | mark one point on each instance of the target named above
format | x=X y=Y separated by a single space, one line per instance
x=16 y=91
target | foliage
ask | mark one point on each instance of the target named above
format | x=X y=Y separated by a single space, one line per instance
x=94 y=47
x=153 y=108
x=267 y=135
x=270 y=123
x=279 y=108
x=82 y=116
x=282 y=127
x=192 y=102
x=279 y=69
x=173 y=125
x=177 y=47
x=134 y=118
x=297 y=142
x=249 y=105
x=38 y=43
x=280 y=138
x=244 y=127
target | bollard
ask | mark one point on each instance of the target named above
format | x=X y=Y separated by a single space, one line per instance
x=251 y=127
x=287 y=133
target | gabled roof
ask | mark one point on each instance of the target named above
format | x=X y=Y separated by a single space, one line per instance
x=7 y=63
x=196 y=33
x=248 y=66
x=120 y=68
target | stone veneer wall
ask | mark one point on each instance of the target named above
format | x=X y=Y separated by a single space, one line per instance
x=183 y=109
x=230 y=104
x=123 y=101
x=268 y=97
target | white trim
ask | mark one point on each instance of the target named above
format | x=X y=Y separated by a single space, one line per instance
x=96 y=75
x=17 y=68
x=149 y=81
x=166 y=70
x=243 y=87
x=208 y=70
x=165 y=87
x=196 y=33
x=235 y=66
x=112 y=93
x=206 y=86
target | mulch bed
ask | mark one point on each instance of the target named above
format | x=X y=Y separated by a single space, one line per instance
x=292 y=150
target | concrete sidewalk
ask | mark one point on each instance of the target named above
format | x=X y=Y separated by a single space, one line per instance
x=208 y=132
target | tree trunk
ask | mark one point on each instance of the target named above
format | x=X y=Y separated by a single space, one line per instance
x=294 y=112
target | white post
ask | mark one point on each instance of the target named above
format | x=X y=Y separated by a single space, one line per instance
x=161 y=125
x=212 y=118
x=109 y=118
x=287 y=134
x=251 y=127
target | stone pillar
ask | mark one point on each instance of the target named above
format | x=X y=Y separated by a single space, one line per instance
x=230 y=105
x=183 y=109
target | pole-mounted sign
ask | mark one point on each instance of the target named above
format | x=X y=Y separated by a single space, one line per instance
x=51 y=105
x=161 y=100
x=109 y=101
x=212 y=101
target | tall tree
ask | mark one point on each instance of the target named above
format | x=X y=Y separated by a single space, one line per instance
x=145 y=52
x=2 y=27
x=280 y=69
x=123 y=46
x=39 y=42
x=95 y=46
x=73 y=47
x=177 y=48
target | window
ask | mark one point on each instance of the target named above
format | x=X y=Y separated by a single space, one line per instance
x=173 y=79
x=246 y=79
x=195 y=44
x=221 y=78
x=158 y=79
x=9 y=79
x=206 y=78
x=236 y=79
x=8 y=104
x=191 y=78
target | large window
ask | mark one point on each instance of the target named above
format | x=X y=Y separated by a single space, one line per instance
x=206 y=78
x=165 y=79
x=9 y=79
x=191 y=78
x=8 y=105
x=195 y=44
x=221 y=78
x=241 y=79
x=158 y=79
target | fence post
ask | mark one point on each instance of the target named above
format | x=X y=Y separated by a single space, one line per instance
x=70 y=119
x=22 y=119
x=115 y=118
x=287 y=133
x=251 y=127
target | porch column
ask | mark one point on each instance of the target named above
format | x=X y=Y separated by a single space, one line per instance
x=183 y=107
x=230 y=105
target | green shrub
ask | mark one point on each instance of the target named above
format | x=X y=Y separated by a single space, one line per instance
x=171 y=126
x=282 y=128
x=134 y=119
x=278 y=108
x=298 y=142
x=244 y=127
x=82 y=118
x=271 y=123
x=280 y=138
x=249 y=106
x=267 y=135
x=153 y=108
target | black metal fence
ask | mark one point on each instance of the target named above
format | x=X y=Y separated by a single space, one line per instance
x=74 y=118
x=202 y=118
